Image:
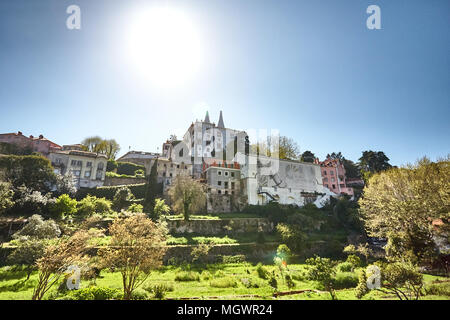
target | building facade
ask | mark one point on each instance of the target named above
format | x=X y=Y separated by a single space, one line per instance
x=333 y=176
x=87 y=168
x=38 y=144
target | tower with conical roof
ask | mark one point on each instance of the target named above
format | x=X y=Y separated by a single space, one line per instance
x=207 y=118
x=220 y=123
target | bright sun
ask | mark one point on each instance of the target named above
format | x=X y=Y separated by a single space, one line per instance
x=164 y=46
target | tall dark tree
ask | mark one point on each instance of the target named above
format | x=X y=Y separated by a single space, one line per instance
x=335 y=156
x=153 y=189
x=373 y=162
x=308 y=156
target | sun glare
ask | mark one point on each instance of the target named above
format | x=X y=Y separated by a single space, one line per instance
x=164 y=45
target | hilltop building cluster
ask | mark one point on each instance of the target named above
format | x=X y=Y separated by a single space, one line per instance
x=217 y=156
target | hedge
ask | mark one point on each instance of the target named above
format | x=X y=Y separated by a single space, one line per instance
x=128 y=168
x=138 y=190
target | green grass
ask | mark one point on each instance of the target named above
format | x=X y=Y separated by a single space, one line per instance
x=217 y=280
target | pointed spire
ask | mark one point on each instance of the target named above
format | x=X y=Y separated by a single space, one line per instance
x=220 y=123
x=207 y=118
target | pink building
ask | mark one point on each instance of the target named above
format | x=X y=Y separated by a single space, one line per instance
x=333 y=176
x=36 y=144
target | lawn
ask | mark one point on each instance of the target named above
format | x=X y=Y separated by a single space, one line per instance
x=224 y=281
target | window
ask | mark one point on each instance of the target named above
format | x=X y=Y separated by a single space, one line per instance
x=100 y=166
x=219 y=183
x=332 y=180
x=324 y=173
x=171 y=175
x=89 y=164
x=332 y=173
x=232 y=185
x=219 y=173
x=185 y=167
x=178 y=166
x=226 y=173
x=232 y=174
x=219 y=192
x=334 y=186
x=226 y=192
x=232 y=192
x=171 y=165
x=326 y=186
x=76 y=173
x=325 y=179
x=226 y=184
x=87 y=174
x=164 y=174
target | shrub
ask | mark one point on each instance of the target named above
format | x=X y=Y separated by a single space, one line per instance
x=136 y=208
x=283 y=252
x=354 y=261
x=262 y=272
x=344 y=267
x=206 y=275
x=227 y=282
x=111 y=165
x=273 y=282
x=240 y=258
x=187 y=276
x=438 y=289
x=139 y=294
x=129 y=168
x=345 y=280
x=159 y=290
x=91 y=205
x=289 y=282
x=250 y=283
x=122 y=198
x=96 y=293
x=108 y=192
x=64 y=206
x=38 y=228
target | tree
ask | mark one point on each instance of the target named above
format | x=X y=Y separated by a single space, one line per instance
x=335 y=156
x=56 y=259
x=372 y=162
x=402 y=279
x=137 y=246
x=112 y=148
x=109 y=147
x=308 y=156
x=401 y=203
x=322 y=271
x=187 y=196
x=280 y=147
x=160 y=208
x=6 y=196
x=34 y=172
x=153 y=188
x=65 y=184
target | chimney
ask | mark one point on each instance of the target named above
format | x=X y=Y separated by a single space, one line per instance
x=41 y=136
x=31 y=137
x=19 y=133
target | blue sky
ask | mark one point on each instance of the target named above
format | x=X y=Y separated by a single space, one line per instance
x=310 y=69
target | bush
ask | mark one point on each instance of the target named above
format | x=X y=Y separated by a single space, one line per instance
x=159 y=290
x=187 y=276
x=129 y=168
x=289 y=282
x=122 y=197
x=138 y=190
x=95 y=293
x=354 y=260
x=91 y=205
x=345 y=280
x=283 y=252
x=227 y=282
x=273 y=282
x=262 y=272
x=111 y=165
x=37 y=228
x=344 y=267
x=64 y=206
x=139 y=294
x=250 y=283
x=240 y=258
x=136 y=208
x=438 y=289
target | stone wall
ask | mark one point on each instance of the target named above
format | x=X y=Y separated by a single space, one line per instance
x=225 y=226
x=117 y=181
